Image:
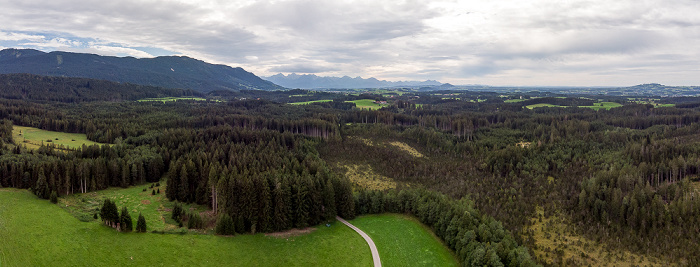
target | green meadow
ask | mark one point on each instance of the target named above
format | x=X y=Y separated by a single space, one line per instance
x=596 y=106
x=403 y=241
x=309 y=102
x=34 y=232
x=366 y=104
x=603 y=105
x=33 y=138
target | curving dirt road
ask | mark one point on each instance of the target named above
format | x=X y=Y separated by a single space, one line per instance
x=372 y=247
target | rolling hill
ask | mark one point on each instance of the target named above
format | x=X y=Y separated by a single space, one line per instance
x=167 y=71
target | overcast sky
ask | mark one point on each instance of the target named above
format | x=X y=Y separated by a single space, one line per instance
x=583 y=43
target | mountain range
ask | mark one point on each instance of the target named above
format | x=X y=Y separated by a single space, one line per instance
x=311 y=81
x=166 y=71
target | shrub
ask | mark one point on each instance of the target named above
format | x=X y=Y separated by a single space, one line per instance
x=195 y=221
x=54 y=197
x=224 y=226
x=153 y=192
x=177 y=211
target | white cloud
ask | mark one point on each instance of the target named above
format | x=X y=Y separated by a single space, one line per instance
x=539 y=42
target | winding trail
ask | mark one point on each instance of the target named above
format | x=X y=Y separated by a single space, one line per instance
x=372 y=247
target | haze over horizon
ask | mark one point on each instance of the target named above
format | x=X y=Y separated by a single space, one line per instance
x=532 y=43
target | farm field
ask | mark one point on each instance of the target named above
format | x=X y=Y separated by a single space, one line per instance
x=603 y=105
x=366 y=104
x=309 y=102
x=596 y=106
x=541 y=105
x=35 y=232
x=403 y=241
x=34 y=137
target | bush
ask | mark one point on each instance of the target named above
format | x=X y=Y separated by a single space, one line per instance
x=141 y=224
x=177 y=211
x=224 y=226
x=153 y=192
x=158 y=191
x=54 y=197
x=195 y=221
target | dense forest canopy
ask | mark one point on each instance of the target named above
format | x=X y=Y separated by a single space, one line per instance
x=627 y=176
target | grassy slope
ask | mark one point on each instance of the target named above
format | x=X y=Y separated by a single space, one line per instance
x=35 y=232
x=403 y=241
x=33 y=138
x=155 y=208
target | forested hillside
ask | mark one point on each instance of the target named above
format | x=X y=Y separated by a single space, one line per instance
x=169 y=72
x=627 y=176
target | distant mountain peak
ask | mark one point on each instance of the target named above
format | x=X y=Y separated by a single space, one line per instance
x=312 y=81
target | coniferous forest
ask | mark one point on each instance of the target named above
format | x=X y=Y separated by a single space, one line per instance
x=627 y=176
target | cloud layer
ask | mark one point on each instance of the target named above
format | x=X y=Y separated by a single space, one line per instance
x=590 y=43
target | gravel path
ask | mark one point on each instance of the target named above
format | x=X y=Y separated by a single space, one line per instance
x=372 y=247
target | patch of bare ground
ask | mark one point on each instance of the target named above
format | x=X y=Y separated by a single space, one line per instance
x=145 y=202
x=291 y=232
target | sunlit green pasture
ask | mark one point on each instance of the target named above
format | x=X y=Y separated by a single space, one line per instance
x=33 y=138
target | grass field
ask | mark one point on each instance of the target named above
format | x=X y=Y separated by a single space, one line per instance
x=366 y=104
x=403 y=241
x=541 y=105
x=603 y=105
x=33 y=138
x=168 y=99
x=309 y=102
x=514 y=100
x=596 y=106
x=34 y=232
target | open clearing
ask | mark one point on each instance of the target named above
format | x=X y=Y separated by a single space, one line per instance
x=596 y=106
x=366 y=104
x=364 y=177
x=403 y=241
x=33 y=138
x=558 y=245
x=156 y=208
x=309 y=102
x=34 y=232
x=406 y=148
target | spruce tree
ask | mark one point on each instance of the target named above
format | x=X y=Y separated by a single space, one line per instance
x=125 y=220
x=141 y=224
